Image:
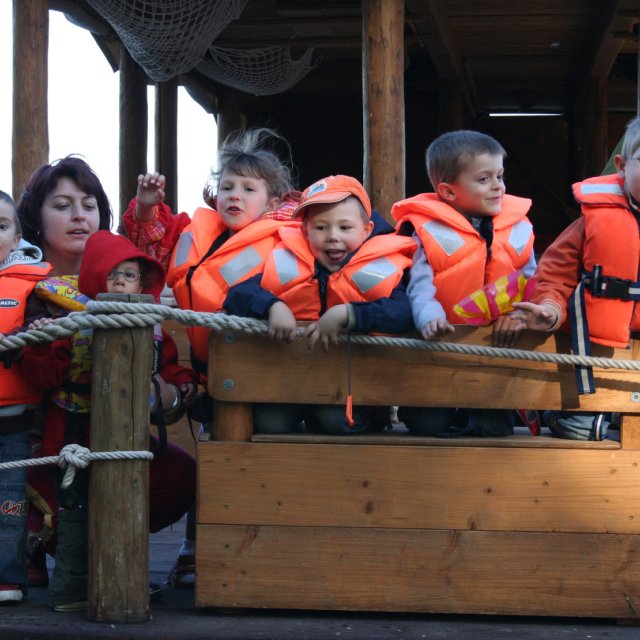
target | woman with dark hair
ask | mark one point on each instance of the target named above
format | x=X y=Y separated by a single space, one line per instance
x=62 y=205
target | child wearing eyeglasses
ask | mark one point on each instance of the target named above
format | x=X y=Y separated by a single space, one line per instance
x=110 y=264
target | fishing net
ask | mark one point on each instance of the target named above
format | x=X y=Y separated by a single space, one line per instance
x=168 y=37
x=261 y=72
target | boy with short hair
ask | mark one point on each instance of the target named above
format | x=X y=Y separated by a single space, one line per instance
x=469 y=233
x=587 y=280
x=21 y=267
x=342 y=270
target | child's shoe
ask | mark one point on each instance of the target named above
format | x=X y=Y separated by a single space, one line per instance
x=10 y=593
x=183 y=572
x=80 y=605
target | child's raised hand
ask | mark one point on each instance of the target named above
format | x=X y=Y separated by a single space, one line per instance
x=436 y=329
x=282 y=323
x=539 y=317
x=150 y=193
x=328 y=327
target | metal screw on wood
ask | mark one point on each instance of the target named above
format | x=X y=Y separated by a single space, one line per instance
x=635 y=396
x=228 y=384
x=229 y=338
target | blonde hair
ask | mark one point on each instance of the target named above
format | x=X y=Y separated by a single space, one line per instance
x=250 y=153
x=631 y=140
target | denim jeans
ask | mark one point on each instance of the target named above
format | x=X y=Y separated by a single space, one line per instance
x=13 y=510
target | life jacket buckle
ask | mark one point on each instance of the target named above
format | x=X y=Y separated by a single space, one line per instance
x=602 y=286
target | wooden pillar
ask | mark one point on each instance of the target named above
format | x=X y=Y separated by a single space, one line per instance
x=166 y=123
x=30 y=144
x=383 y=102
x=230 y=116
x=133 y=128
x=593 y=128
x=119 y=490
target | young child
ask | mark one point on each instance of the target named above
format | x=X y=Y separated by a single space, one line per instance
x=344 y=271
x=217 y=247
x=21 y=267
x=470 y=233
x=586 y=281
x=110 y=264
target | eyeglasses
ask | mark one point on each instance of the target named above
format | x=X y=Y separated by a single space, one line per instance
x=128 y=275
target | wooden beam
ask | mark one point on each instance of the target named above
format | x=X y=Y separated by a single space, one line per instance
x=166 y=124
x=133 y=128
x=30 y=143
x=445 y=56
x=383 y=102
x=606 y=47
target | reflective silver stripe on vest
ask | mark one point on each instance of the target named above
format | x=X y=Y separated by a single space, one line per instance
x=240 y=266
x=614 y=189
x=448 y=239
x=519 y=236
x=185 y=242
x=373 y=273
x=286 y=265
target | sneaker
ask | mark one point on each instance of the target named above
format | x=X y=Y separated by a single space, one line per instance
x=80 y=605
x=10 y=593
x=183 y=572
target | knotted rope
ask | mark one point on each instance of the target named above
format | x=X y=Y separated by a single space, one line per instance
x=74 y=456
x=116 y=315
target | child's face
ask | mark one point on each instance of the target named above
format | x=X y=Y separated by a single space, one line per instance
x=242 y=199
x=9 y=239
x=629 y=169
x=479 y=187
x=334 y=231
x=125 y=278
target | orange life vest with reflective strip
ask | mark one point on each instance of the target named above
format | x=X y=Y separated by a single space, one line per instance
x=16 y=283
x=373 y=272
x=612 y=240
x=202 y=283
x=457 y=253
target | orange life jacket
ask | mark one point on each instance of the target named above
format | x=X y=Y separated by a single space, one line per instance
x=612 y=240
x=457 y=253
x=16 y=283
x=201 y=278
x=373 y=272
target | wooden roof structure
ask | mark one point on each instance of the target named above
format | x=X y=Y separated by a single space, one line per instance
x=413 y=69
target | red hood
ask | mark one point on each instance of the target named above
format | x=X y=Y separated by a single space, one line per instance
x=103 y=251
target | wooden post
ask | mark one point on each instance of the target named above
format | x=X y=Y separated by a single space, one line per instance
x=166 y=123
x=119 y=490
x=133 y=128
x=230 y=116
x=383 y=102
x=30 y=144
x=593 y=115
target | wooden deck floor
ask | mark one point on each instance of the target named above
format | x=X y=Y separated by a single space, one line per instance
x=175 y=617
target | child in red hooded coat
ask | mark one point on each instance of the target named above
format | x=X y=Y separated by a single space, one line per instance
x=111 y=264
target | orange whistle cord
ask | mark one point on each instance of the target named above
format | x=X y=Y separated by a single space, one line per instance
x=348 y=414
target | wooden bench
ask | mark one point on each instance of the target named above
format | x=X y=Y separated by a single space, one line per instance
x=520 y=525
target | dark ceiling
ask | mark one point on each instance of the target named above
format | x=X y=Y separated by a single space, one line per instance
x=503 y=55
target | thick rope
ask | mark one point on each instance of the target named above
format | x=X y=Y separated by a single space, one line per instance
x=136 y=315
x=74 y=456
